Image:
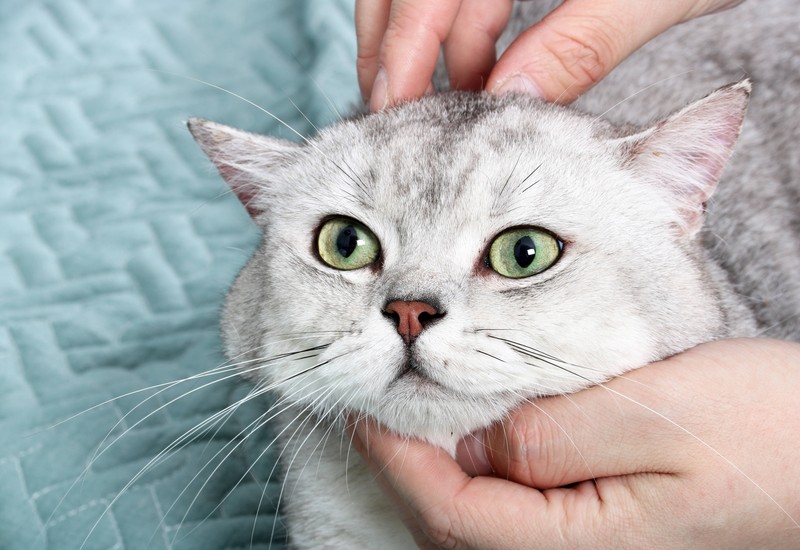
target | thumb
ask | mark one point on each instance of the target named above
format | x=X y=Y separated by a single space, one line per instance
x=579 y=43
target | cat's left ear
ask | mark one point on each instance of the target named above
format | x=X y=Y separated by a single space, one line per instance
x=687 y=152
x=243 y=159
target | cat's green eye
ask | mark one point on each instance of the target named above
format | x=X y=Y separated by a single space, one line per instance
x=346 y=244
x=524 y=251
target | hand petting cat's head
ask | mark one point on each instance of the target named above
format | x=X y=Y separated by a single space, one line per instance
x=437 y=263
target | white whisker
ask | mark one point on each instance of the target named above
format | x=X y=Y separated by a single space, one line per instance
x=155 y=460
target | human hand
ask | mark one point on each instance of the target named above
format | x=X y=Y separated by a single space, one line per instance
x=559 y=58
x=696 y=451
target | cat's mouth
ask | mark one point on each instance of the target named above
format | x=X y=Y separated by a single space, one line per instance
x=412 y=372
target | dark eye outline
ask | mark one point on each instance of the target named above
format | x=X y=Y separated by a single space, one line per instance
x=486 y=261
x=375 y=265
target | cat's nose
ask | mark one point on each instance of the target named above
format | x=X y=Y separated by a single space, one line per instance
x=410 y=317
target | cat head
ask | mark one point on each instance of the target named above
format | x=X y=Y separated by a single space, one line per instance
x=434 y=264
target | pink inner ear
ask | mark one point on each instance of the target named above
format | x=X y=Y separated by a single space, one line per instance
x=241 y=158
x=245 y=191
x=705 y=159
x=687 y=152
x=248 y=199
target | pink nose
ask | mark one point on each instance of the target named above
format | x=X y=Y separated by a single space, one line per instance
x=410 y=317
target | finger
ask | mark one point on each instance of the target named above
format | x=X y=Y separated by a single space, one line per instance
x=707 y=7
x=359 y=430
x=454 y=510
x=432 y=484
x=640 y=422
x=469 y=50
x=578 y=43
x=662 y=418
x=371 y=18
x=410 y=49
x=395 y=460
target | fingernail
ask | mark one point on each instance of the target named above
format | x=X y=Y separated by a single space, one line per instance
x=380 y=92
x=518 y=84
x=471 y=455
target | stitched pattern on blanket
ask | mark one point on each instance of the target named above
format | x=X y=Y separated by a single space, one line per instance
x=117 y=242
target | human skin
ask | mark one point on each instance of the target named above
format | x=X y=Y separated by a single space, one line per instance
x=557 y=59
x=696 y=451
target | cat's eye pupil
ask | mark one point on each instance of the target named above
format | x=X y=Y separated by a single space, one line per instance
x=524 y=251
x=347 y=241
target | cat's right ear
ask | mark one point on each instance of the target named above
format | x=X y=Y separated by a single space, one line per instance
x=242 y=158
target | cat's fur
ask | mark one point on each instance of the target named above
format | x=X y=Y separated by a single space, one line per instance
x=641 y=276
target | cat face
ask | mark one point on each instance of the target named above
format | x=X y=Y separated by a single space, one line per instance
x=440 y=262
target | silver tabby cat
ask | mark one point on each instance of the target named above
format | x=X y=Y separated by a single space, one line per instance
x=433 y=265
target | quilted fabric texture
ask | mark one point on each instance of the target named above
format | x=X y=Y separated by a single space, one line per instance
x=117 y=243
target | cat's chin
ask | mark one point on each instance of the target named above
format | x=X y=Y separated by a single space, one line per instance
x=414 y=405
x=414 y=380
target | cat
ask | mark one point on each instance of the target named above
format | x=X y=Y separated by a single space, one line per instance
x=434 y=265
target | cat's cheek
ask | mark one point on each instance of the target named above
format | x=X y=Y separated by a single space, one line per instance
x=356 y=371
x=612 y=345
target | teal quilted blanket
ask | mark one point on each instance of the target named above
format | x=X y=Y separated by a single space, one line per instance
x=117 y=243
